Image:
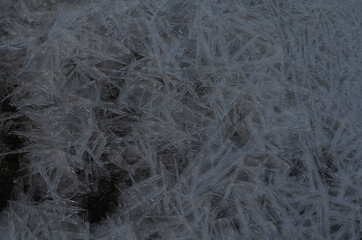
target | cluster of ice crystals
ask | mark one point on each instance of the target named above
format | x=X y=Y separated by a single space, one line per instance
x=183 y=119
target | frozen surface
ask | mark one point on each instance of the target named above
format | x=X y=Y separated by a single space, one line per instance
x=181 y=119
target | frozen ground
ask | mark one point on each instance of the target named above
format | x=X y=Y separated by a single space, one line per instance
x=180 y=119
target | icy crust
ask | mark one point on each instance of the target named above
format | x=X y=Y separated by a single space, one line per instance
x=183 y=119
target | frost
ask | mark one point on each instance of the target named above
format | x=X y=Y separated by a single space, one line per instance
x=180 y=120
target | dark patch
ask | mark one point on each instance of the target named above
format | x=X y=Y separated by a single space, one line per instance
x=277 y=110
x=37 y=196
x=201 y=89
x=326 y=167
x=220 y=210
x=307 y=223
x=103 y=199
x=142 y=173
x=72 y=150
x=160 y=80
x=11 y=141
x=239 y=139
x=42 y=39
x=119 y=176
x=113 y=93
x=221 y=214
x=333 y=193
x=104 y=114
x=7 y=107
x=262 y=201
x=110 y=94
x=10 y=163
x=335 y=228
x=122 y=132
x=268 y=177
x=69 y=68
x=137 y=56
x=236 y=224
x=244 y=176
x=324 y=174
x=87 y=158
x=35 y=193
x=329 y=161
x=184 y=64
x=154 y=236
x=172 y=160
x=297 y=169
x=130 y=156
x=6 y=184
x=290 y=97
x=103 y=202
x=3 y=32
x=277 y=66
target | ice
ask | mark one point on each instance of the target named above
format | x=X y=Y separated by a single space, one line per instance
x=180 y=119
